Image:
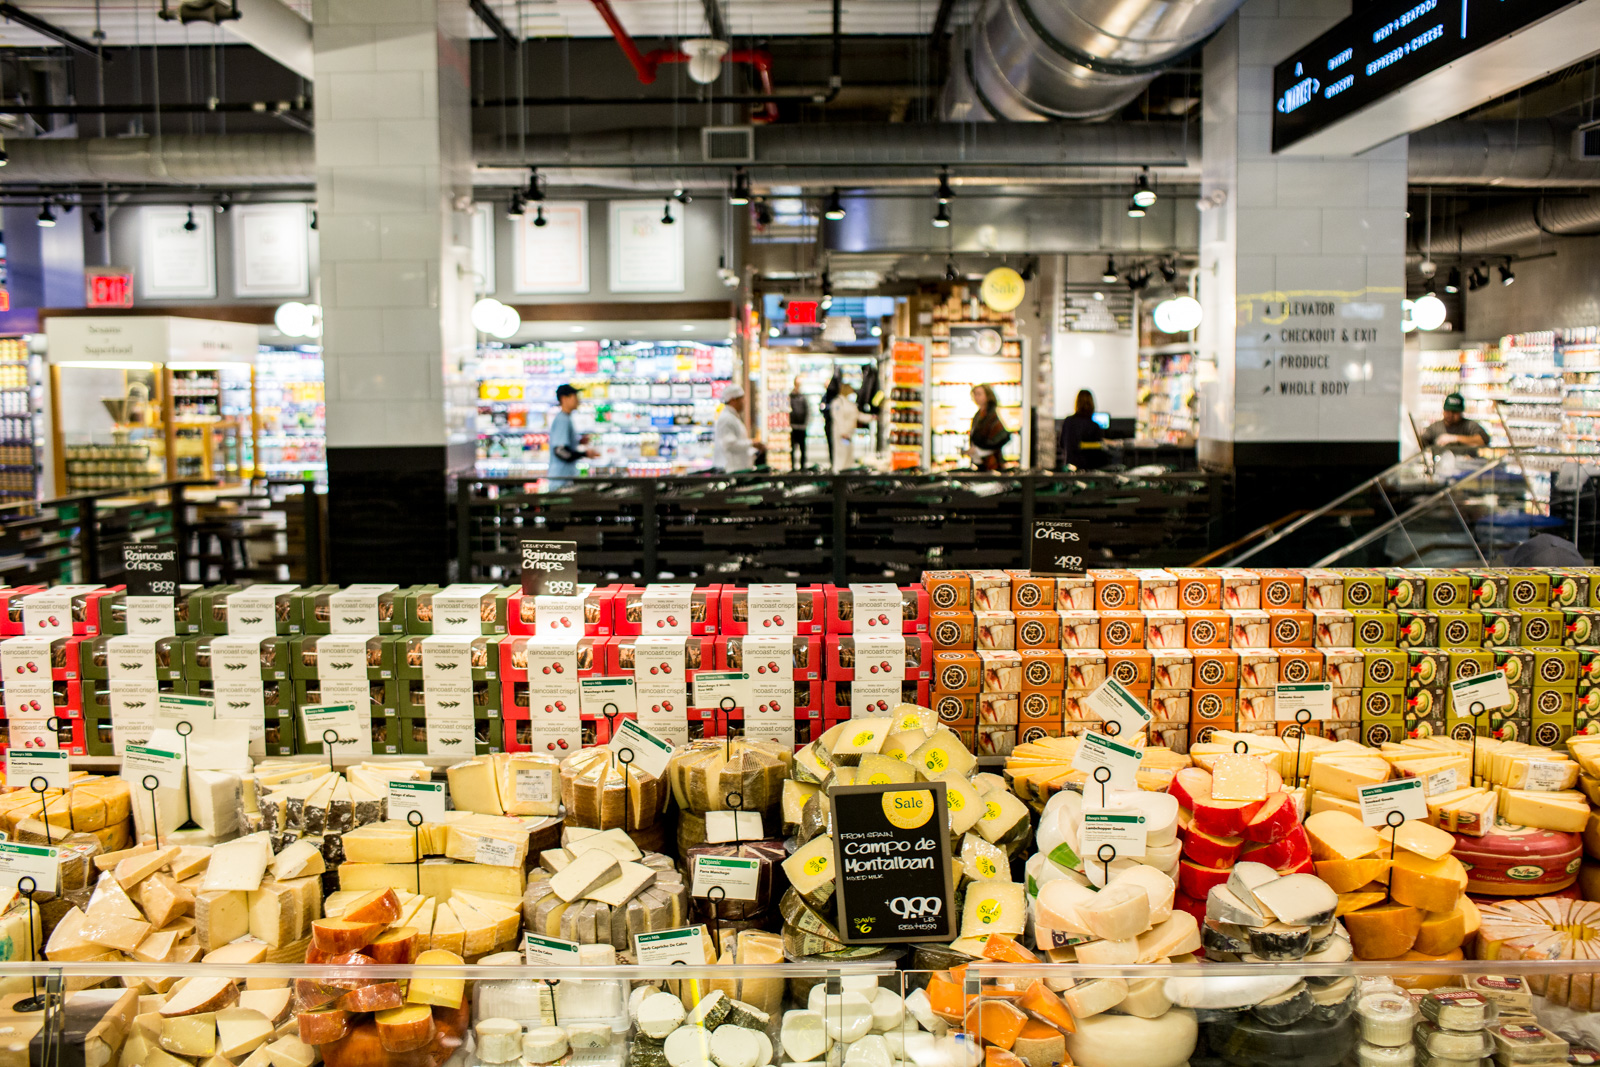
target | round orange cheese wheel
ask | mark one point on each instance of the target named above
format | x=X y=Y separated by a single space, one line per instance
x=1519 y=861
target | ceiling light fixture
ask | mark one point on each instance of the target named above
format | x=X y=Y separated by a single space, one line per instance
x=827 y=292
x=224 y=203
x=945 y=194
x=763 y=213
x=1506 y=276
x=1479 y=277
x=681 y=195
x=538 y=217
x=941 y=217
x=1143 y=194
x=189 y=224
x=666 y=214
x=1178 y=315
x=833 y=210
x=1428 y=312
x=1169 y=269
x=740 y=196
x=950 y=272
x=535 y=187
x=515 y=208
x=1109 y=275
x=1452 y=283
x=313 y=219
x=47 y=216
x=1138 y=278
x=1135 y=210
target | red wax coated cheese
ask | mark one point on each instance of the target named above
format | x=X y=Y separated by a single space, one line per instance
x=1519 y=861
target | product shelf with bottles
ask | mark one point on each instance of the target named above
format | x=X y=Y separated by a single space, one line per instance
x=909 y=429
x=291 y=413
x=21 y=395
x=1165 y=411
x=780 y=368
x=648 y=407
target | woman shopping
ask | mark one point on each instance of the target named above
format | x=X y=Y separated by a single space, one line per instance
x=988 y=434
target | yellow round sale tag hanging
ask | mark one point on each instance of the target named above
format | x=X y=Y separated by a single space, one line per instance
x=1002 y=289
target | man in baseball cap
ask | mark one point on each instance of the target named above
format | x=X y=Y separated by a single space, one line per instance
x=1455 y=432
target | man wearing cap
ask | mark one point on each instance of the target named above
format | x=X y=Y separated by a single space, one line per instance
x=1455 y=432
x=732 y=449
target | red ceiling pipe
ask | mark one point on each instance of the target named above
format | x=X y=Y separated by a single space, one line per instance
x=645 y=64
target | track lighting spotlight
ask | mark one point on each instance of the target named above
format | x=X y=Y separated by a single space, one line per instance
x=538 y=217
x=189 y=224
x=740 y=196
x=763 y=213
x=1479 y=277
x=1109 y=275
x=514 y=209
x=833 y=209
x=941 y=217
x=1506 y=276
x=1029 y=269
x=535 y=191
x=1143 y=195
x=313 y=219
x=1135 y=210
x=682 y=196
x=47 y=216
x=1169 y=269
x=1137 y=279
x=97 y=221
x=946 y=194
x=666 y=214
x=950 y=272
x=1452 y=283
x=224 y=203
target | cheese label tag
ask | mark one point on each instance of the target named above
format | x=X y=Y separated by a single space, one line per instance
x=1406 y=795
x=1440 y=782
x=876 y=608
x=352 y=730
x=739 y=879
x=165 y=767
x=49 y=614
x=342 y=657
x=130 y=656
x=535 y=785
x=451 y=737
x=1316 y=698
x=1546 y=776
x=1112 y=702
x=254 y=610
x=557 y=618
x=492 y=853
x=1097 y=750
x=604 y=698
x=29 y=861
x=1488 y=689
x=23 y=767
x=773 y=609
x=725 y=826
x=446 y=660
x=650 y=753
x=711 y=688
x=355 y=610
x=458 y=609
x=1121 y=828
x=32 y=734
x=153 y=615
x=664 y=609
x=174 y=708
x=133 y=713
x=665 y=947
x=25 y=665
x=427 y=798
x=537 y=948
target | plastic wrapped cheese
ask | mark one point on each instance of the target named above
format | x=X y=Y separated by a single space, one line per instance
x=600 y=793
x=712 y=775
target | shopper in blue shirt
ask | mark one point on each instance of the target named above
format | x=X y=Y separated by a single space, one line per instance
x=565 y=448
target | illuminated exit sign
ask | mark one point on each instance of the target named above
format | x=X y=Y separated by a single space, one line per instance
x=108 y=287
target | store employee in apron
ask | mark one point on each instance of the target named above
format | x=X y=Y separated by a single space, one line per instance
x=732 y=449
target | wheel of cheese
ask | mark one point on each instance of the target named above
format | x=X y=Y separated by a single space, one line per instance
x=1519 y=861
x=1123 y=1040
x=1546 y=928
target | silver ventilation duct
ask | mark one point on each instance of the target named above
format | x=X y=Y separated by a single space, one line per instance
x=1035 y=60
x=1513 y=153
x=1506 y=227
x=181 y=159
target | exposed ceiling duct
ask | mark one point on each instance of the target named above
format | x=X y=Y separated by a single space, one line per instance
x=1520 y=153
x=1506 y=227
x=181 y=159
x=1035 y=60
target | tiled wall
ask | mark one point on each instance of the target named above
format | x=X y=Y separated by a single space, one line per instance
x=1293 y=229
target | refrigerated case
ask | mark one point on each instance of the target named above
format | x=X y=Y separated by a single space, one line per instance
x=21 y=397
x=648 y=406
x=954 y=369
x=290 y=413
x=780 y=368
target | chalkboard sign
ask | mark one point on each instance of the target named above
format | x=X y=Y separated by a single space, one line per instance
x=1057 y=548
x=892 y=863
x=151 y=568
x=549 y=567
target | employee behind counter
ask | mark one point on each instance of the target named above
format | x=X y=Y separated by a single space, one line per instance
x=1454 y=432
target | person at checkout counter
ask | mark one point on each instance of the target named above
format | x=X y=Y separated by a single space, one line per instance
x=1454 y=432
x=1082 y=443
x=732 y=449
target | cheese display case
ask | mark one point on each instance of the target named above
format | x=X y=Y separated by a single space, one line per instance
x=660 y=865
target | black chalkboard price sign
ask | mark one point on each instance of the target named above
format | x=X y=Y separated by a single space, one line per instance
x=1057 y=548
x=892 y=863
x=151 y=568
x=549 y=567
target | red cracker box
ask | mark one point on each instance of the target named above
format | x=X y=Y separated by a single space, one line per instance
x=518 y=737
x=96 y=609
x=805 y=657
x=1199 y=589
x=597 y=606
x=11 y=608
x=836 y=699
x=628 y=609
x=591 y=653
x=844 y=657
x=699 y=653
x=1216 y=668
x=810 y=604
x=69 y=737
x=1121 y=629
x=1038 y=629
x=1290 y=627
x=841 y=611
x=1207 y=629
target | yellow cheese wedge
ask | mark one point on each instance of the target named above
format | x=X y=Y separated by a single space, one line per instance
x=1431 y=885
x=1419 y=837
x=1336 y=835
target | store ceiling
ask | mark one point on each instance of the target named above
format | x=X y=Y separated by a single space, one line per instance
x=135 y=22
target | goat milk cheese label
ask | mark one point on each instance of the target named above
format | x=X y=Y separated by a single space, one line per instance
x=721 y=691
x=1113 y=702
x=1314 y=698
x=1121 y=828
x=1057 y=549
x=255 y=610
x=458 y=609
x=1488 y=689
x=666 y=947
x=175 y=708
x=425 y=798
x=355 y=610
x=880 y=664
x=876 y=608
x=23 y=767
x=536 y=948
x=645 y=750
x=549 y=567
x=665 y=609
x=892 y=873
x=773 y=609
x=1408 y=796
